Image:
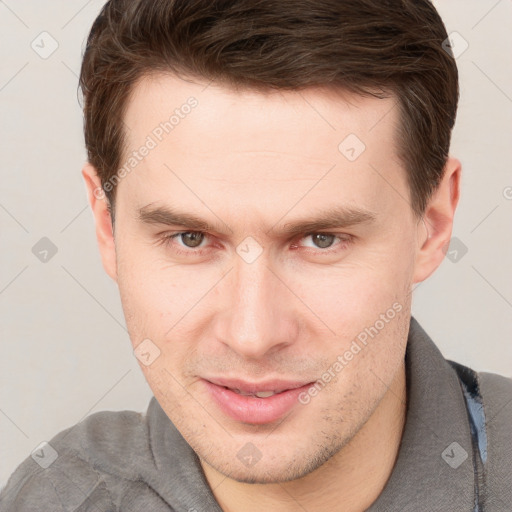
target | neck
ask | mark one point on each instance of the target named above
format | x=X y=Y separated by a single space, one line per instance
x=350 y=481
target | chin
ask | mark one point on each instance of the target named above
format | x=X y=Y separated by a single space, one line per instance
x=278 y=470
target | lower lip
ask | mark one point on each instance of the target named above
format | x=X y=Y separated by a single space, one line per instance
x=258 y=411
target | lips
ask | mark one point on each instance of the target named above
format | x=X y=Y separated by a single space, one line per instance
x=255 y=403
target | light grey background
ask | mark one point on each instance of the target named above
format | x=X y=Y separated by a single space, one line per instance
x=65 y=350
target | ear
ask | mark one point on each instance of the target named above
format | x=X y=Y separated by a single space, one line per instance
x=104 y=229
x=438 y=222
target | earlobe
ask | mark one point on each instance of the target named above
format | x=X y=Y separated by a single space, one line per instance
x=100 y=209
x=437 y=220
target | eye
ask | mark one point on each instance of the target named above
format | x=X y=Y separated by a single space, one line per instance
x=189 y=239
x=325 y=241
x=322 y=240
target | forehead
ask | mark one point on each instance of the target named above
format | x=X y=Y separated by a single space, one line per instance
x=259 y=143
x=155 y=97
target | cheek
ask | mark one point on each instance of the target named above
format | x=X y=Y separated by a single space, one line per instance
x=349 y=297
x=159 y=298
x=150 y=299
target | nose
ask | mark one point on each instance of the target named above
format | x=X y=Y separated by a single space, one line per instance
x=257 y=316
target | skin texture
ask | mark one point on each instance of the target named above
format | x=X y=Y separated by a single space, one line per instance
x=249 y=162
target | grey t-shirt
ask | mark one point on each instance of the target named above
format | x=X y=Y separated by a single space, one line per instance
x=127 y=461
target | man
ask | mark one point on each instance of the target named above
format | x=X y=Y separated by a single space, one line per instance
x=269 y=181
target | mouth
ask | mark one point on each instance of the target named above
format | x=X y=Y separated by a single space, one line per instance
x=255 y=403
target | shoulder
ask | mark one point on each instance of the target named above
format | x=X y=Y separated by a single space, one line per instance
x=497 y=386
x=79 y=464
x=493 y=393
x=496 y=392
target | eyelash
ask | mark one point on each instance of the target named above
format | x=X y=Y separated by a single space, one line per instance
x=345 y=240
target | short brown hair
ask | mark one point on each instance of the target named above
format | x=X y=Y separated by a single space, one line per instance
x=376 y=47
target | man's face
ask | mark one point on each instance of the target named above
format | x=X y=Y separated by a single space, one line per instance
x=246 y=304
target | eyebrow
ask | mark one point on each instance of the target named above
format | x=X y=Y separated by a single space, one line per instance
x=332 y=218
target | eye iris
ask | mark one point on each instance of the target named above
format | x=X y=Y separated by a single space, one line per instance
x=195 y=239
x=323 y=240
